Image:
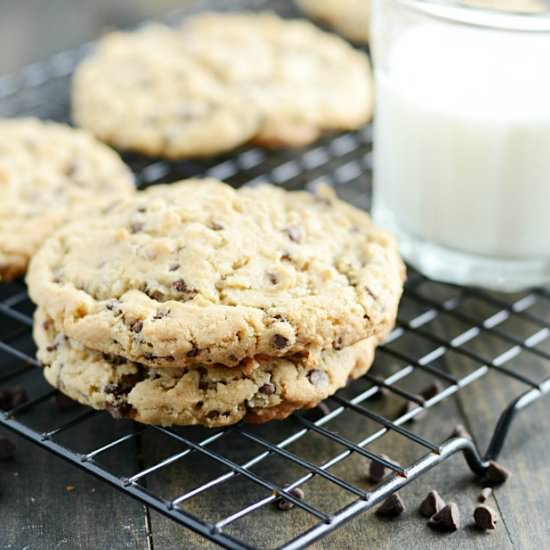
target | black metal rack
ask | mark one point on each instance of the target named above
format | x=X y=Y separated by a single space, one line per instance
x=439 y=334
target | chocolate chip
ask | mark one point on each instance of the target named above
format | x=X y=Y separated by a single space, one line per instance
x=113 y=304
x=338 y=344
x=392 y=507
x=118 y=410
x=7 y=448
x=136 y=326
x=159 y=315
x=447 y=519
x=485 y=517
x=267 y=389
x=273 y=279
x=485 y=494
x=279 y=341
x=294 y=233
x=192 y=352
x=51 y=348
x=284 y=505
x=216 y=226
x=460 y=431
x=174 y=267
x=431 y=505
x=411 y=406
x=496 y=474
x=432 y=390
x=136 y=227
x=318 y=377
x=286 y=257
x=64 y=403
x=212 y=415
x=181 y=286
x=377 y=471
x=18 y=396
x=141 y=209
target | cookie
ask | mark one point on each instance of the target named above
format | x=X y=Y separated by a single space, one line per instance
x=198 y=271
x=50 y=173
x=218 y=82
x=349 y=17
x=263 y=390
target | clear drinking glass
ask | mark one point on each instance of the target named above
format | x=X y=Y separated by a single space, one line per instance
x=462 y=140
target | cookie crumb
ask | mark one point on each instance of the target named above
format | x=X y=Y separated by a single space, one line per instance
x=69 y=488
x=485 y=494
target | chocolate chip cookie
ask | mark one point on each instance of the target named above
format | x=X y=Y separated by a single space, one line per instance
x=219 y=81
x=197 y=271
x=50 y=173
x=258 y=391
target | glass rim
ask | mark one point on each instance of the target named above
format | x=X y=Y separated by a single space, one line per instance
x=475 y=16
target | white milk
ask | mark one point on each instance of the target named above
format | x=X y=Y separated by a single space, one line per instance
x=462 y=140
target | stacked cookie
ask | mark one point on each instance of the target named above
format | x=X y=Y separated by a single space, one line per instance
x=194 y=303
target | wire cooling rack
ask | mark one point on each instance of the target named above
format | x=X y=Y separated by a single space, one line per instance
x=444 y=334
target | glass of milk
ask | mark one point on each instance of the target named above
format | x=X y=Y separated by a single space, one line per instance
x=462 y=140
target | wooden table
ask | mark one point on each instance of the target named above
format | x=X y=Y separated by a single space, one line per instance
x=46 y=504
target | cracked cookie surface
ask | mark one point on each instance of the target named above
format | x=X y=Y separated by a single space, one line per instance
x=263 y=390
x=49 y=174
x=197 y=271
x=348 y=17
x=218 y=82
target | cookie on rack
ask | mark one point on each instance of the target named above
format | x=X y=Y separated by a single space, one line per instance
x=49 y=174
x=262 y=390
x=197 y=271
x=218 y=82
x=349 y=17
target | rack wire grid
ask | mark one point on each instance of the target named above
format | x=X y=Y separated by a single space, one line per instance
x=455 y=336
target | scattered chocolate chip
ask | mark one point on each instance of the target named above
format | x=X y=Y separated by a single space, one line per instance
x=136 y=227
x=432 y=390
x=273 y=279
x=411 y=406
x=461 y=431
x=496 y=474
x=284 y=505
x=279 y=341
x=485 y=494
x=392 y=507
x=18 y=396
x=192 y=352
x=294 y=233
x=174 y=267
x=7 y=448
x=447 y=519
x=431 y=505
x=318 y=377
x=377 y=471
x=136 y=326
x=267 y=389
x=64 y=403
x=216 y=226
x=485 y=517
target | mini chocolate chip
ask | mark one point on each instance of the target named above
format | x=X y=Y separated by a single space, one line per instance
x=318 y=377
x=284 y=505
x=7 y=448
x=318 y=412
x=432 y=390
x=111 y=388
x=114 y=359
x=267 y=389
x=119 y=410
x=294 y=233
x=150 y=356
x=431 y=505
x=64 y=403
x=136 y=326
x=377 y=471
x=159 y=315
x=485 y=517
x=216 y=226
x=142 y=209
x=460 y=431
x=392 y=507
x=18 y=396
x=174 y=267
x=447 y=519
x=279 y=341
x=273 y=279
x=180 y=285
x=411 y=406
x=496 y=474
x=338 y=344
x=136 y=227
x=51 y=348
x=212 y=415
x=286 y=257
x=485 y=494
x=192 y=352
x=113 y=304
